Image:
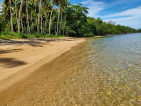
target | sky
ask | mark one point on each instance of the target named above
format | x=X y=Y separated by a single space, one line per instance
x=123 y=12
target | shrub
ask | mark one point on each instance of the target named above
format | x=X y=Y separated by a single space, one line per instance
x=90 y=34
x=8 y=35
x=13 y=35
x=26 y=35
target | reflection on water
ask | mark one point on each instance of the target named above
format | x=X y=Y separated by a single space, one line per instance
x=108 y=73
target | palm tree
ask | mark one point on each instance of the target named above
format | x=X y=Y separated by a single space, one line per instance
x=20 y=11
x=63 y=5
x=10 y=3
x=34 y=12
x=6 y=10
x=53 y=3
x=29 y=6
x=50 y=20
x=38 y=22
x=46 y=10
x=25 y=11
x=28 y=29
x=58 y=20
x=16 y=11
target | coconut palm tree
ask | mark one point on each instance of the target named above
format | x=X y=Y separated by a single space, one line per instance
x=63 y=4
x=50 y=20
x=39 y=15
x=53 y=3
x=16 y=11
x=29 y=6
x=19 y=18
x=46 y=11
x=7 y=12
x=11 y=17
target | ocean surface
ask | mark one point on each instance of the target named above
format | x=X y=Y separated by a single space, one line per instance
x=107 y=72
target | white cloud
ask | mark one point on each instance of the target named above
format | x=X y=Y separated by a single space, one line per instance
x=94 y=7
x=132 y=17
x=135 y=12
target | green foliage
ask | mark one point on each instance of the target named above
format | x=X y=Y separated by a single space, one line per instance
x=9 y=35
x=65 y=20
x=14 y=35
x=21 y=35
x=139 y=30
x=76 y=20
x=89 y=34
x=2 y=24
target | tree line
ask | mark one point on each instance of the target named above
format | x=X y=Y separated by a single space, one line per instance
x=43 y=18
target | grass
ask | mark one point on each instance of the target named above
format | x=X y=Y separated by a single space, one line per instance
x=14 y=35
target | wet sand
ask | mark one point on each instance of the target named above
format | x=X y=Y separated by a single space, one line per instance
x=28 y=69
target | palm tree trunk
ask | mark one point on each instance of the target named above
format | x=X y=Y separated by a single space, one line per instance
x=64 y=25
x=50 y=20
x=41 y=24
x=31 y=23
x=21 y=5
x=11 y=17
x=61 y=24
x=58 y=20
x=27 y=17
x=16 y=11
x=38 y=29
x=45 y=23
x=22 y=23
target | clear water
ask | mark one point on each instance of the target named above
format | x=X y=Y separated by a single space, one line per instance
x=107 y=73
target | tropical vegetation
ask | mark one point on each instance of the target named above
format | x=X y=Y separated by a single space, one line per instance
x=48 y=18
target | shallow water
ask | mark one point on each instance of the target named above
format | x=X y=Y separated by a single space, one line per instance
x=107 y=73
x=100 y=72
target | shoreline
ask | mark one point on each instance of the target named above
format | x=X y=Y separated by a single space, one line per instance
x=10 y=77
x=20 y=59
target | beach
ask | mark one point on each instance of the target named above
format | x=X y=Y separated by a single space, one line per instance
x=71 y=71
x=22 y=58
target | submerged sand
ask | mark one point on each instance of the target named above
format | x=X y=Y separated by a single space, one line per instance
x=22 y=69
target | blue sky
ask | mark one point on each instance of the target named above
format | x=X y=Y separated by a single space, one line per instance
x=124 y=12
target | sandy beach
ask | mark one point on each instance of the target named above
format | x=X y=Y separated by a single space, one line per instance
x=21 y=61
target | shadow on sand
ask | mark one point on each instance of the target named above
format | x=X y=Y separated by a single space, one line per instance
x=32 y=42
x=9 y=51
x=11 y=62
